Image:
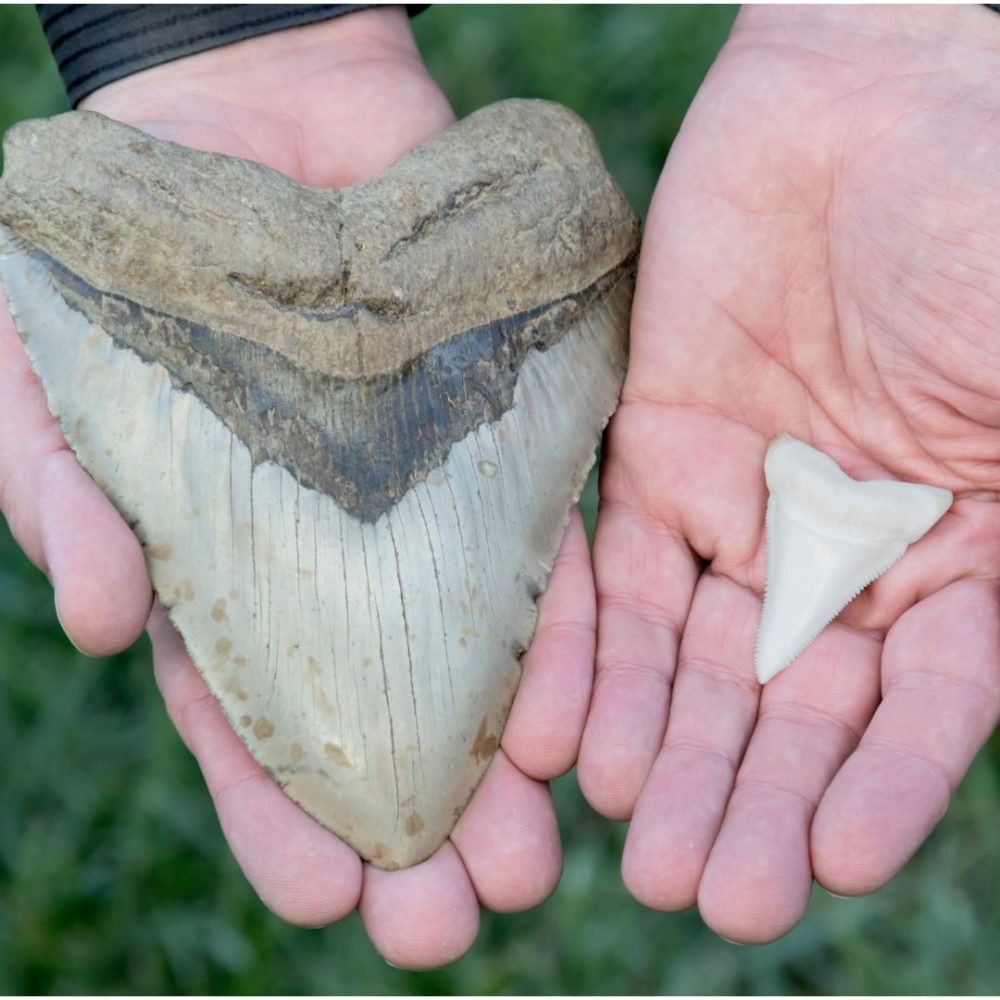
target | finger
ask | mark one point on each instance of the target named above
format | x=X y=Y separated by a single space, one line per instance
x=423 y=917
x=714 y=708
x=300 y=870
x=59 y=517
x=542 y=736
x=941 y=674
x=508 y=839
x=645 y=575
x=758 y=876
x=964 y=543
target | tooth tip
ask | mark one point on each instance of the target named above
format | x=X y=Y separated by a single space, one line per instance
x=766 y=671
x=770 y=661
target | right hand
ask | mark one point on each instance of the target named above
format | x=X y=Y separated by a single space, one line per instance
x=822 y=257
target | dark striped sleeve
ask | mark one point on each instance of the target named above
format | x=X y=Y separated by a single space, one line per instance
x=94 y=44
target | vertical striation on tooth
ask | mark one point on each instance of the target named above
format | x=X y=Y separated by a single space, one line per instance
x=347 y=426
x=828 y=537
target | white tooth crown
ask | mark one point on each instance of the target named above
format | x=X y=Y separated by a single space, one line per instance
x=828 y=537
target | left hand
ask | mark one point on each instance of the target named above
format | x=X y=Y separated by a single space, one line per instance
x=822 y=257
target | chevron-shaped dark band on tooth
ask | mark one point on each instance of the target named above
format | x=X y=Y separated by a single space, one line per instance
x=363 y=441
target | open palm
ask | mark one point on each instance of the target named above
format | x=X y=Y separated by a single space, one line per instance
x=329 y=105
x=822 y=257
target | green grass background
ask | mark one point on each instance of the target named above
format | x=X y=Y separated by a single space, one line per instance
x=114 y=876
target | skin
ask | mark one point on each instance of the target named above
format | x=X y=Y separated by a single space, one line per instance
x=822 y=257
x=329 y=104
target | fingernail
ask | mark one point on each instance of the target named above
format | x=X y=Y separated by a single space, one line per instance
x=66 y=632
x=837 y=895
x=739 y=944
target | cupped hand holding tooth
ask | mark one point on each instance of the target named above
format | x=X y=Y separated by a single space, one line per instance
x=822 y=257
x=329 y=105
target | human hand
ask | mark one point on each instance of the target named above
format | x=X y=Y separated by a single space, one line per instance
x=822 y=257
x=328 y=104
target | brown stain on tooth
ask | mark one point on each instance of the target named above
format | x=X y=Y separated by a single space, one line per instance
x=263 y=728
x=336 y=753
x=485 y=743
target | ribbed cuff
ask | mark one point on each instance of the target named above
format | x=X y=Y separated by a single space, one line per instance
x=94 y=44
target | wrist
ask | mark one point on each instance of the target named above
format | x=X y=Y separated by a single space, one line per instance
x=329 y=103
x=239 y=71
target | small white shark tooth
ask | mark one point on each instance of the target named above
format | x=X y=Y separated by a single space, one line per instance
x=828 y=537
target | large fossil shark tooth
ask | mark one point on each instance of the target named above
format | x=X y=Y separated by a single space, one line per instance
x=828 y=537
x=346 y=426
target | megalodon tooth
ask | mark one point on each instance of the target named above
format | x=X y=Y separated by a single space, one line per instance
x=346 y=426
x=828 y=537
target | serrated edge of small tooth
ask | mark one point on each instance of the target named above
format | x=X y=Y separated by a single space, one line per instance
x=812 y=638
